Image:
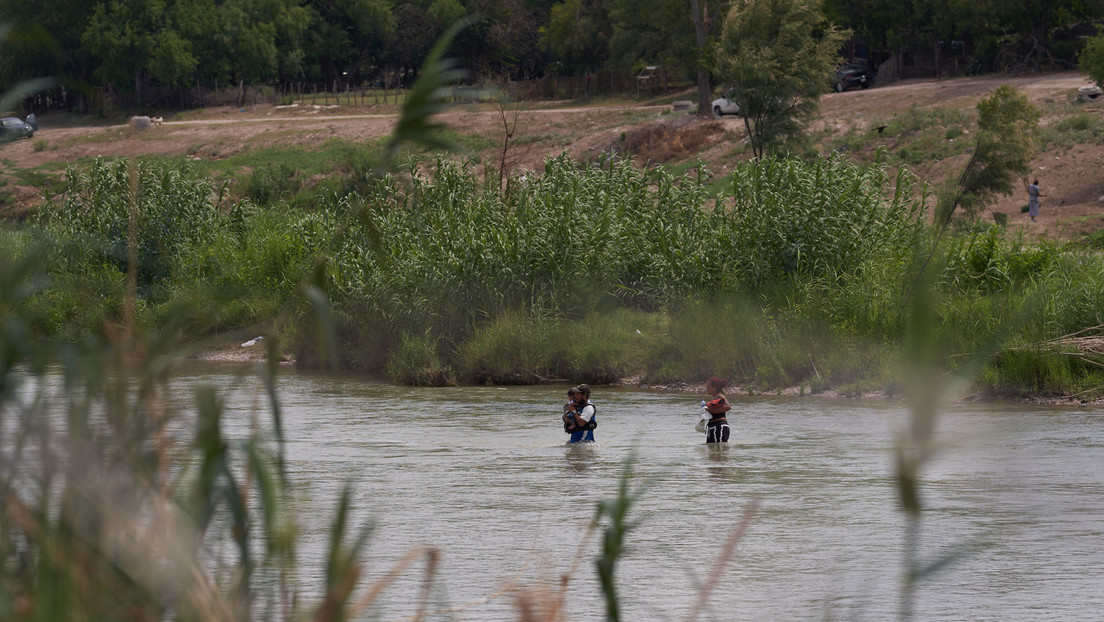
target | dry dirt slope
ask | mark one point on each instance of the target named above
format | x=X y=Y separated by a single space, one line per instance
x=1071 y=180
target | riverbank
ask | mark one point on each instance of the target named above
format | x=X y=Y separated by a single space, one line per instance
x=253 y=352
x=786 y=272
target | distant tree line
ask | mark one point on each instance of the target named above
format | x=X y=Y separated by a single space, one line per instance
x=145 y=51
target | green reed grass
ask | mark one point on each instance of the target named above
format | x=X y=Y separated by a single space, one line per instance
x=820 y=248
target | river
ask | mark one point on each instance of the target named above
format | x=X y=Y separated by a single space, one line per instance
x=482 y=474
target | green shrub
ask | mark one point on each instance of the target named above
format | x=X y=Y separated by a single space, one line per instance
x=1077 y=128
x=513 y=349
x=267 y=185
x=174 y=210
x=76 y=306
x=417 y=361
x=1032 y=371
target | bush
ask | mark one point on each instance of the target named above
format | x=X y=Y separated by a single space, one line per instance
x=417 y=362
x=269 y=184
x=514 y=349
x=174 y=210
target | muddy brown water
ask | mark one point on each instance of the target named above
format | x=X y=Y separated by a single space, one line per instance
x=1015 y=494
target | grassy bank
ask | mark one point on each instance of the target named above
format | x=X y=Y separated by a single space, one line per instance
x=783 y=273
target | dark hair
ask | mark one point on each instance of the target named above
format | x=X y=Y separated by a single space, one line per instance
x=572 y=391
x=584 y=389
x=1035 y=183
x=717 y=383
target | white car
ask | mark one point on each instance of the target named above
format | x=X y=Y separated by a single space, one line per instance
x=725 y=105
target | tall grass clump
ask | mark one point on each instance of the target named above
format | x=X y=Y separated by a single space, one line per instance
x=445 y=254
x=794 y=219
x=271 y=183
x=166 y=208
x=197 y=257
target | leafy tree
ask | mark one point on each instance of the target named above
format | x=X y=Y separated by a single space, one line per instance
x=373 y=27
x=1091 y=60
x=1005 y=145
x=652 y=32
x=136 y=40
x=414 y=36
x=779 y=55
x=350 y=34
x=577 y=34
x=505 y=39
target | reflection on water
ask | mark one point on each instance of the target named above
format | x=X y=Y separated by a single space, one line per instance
x=579 y=457
x=483 y=474
x=718 y=456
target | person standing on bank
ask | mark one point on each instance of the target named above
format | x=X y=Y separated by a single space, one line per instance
x=1033 y=195
x=716 y=429
x=583 y=417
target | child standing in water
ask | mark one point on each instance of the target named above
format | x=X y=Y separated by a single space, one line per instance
x=716 y=429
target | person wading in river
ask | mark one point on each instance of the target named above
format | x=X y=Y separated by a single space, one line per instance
x=580 y=421
x=716 y=429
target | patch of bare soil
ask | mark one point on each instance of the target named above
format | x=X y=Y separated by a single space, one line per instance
x=661 y=142
x=250 y=351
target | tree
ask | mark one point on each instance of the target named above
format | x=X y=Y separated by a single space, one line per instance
x=652 y=32
x=577 y=34
x=504 y=39
x=703 y=25
x=1091 y=60
x=137 y=40
x=1005 y=145
x=349 y=34
x=780 y=56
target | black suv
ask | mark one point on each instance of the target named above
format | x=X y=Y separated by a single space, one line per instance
x=850 y=76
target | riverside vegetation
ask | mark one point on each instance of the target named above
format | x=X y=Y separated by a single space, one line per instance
x=784 y=273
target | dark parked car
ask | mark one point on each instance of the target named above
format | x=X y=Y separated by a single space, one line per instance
x=850 y=76
x=12 y=128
